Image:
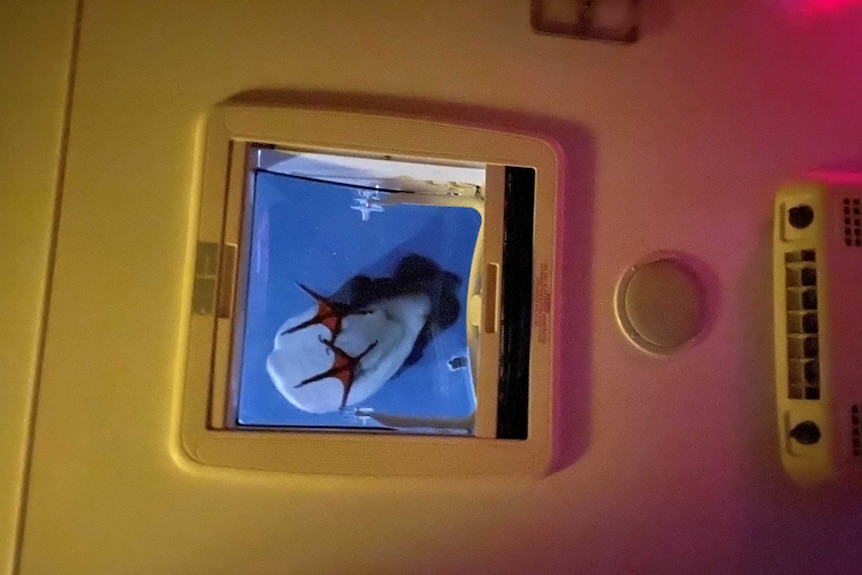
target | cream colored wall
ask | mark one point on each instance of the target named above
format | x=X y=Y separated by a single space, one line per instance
x=35 y=56
x=677 y=142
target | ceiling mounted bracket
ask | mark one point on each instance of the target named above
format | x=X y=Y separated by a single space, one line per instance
x=605 y=20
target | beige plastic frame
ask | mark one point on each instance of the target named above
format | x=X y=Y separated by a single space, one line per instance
x=207 y=432
x=808 y=465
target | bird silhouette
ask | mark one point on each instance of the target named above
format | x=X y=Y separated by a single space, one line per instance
x=371 y=329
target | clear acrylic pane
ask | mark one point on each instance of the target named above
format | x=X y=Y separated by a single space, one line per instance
x=356 y=309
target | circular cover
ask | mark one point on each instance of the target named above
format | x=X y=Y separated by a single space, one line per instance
x=661 y=304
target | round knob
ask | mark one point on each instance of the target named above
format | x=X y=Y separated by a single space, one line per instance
x=800 y=217
x=806 y=433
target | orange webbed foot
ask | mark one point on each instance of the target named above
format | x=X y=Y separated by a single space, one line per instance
x=344 y=368
x=330 y=314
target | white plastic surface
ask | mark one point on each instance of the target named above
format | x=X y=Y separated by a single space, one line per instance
x=679 y=141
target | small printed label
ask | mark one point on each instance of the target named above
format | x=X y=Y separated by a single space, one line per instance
x=542 y=304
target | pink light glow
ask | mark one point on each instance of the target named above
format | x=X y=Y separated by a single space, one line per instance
x=837 y=178
x=815 y=8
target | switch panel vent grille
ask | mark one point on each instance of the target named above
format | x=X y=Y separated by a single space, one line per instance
x=803 y=349
x=855 y=415
x=853 y=222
